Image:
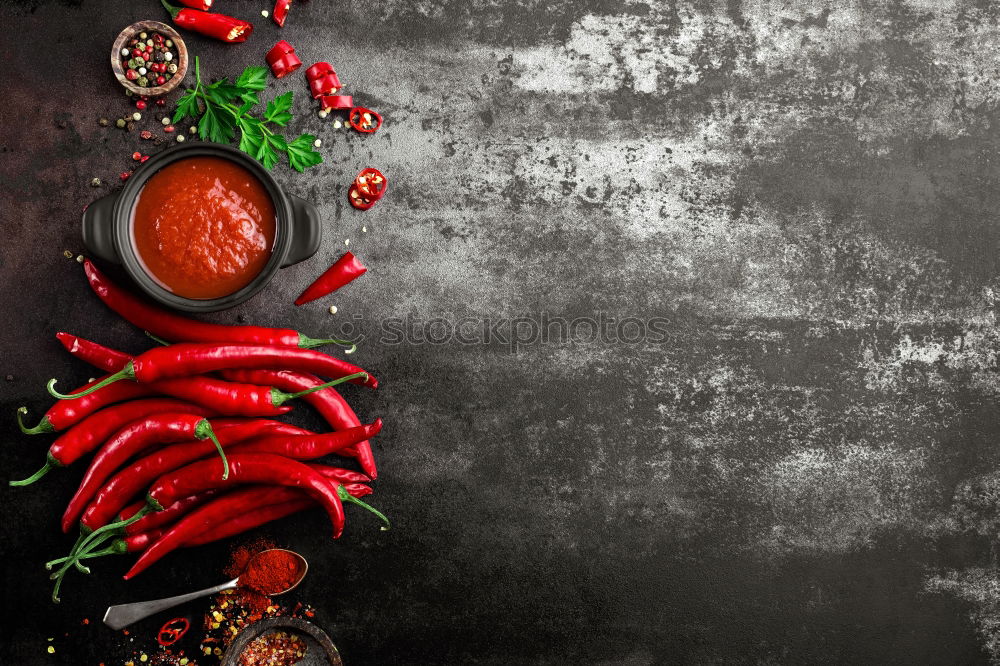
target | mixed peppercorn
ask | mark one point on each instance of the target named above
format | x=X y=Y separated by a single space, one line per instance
x=149 y=60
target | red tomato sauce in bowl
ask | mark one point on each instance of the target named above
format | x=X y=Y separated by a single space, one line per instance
x=203 y=227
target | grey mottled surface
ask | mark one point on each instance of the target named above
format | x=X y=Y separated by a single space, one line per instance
x=806 y=471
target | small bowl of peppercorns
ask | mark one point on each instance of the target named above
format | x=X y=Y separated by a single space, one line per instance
x=149 y=58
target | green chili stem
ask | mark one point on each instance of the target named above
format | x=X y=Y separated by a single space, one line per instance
x=305 y=342
x=128 y=372
x=34 y=477
x=348 y=497
x=42 y=427
x=279 y=397
x=157 y=339
x=203 y=430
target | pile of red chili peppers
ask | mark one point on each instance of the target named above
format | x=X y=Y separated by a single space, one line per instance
x=186 y=449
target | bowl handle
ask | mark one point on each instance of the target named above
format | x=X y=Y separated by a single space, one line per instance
x=306 y=231
x=98 y=229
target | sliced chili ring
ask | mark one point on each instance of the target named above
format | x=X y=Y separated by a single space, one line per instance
x=280 y=12
x=285 y=65
x=172 y=631
x=371 y=184
x=277 y=51
x=324 y=85
x=359 y=201
x=336 y=102
x=364 y=120
x=319 y=69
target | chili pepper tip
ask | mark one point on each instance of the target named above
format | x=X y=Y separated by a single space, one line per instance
x=43 y=426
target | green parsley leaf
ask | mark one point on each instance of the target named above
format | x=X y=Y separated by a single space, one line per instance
x=277 y=110
x=301 y=153
x=187 y=106
x=215 y=125
x=253 y=78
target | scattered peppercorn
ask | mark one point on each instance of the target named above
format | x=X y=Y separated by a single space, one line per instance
x=168 y=128
x=180 y=138
x=137 y=116
x=120 y=123
x=124 y=176
x=141 y=105
x=161 y=102
x=144 y=158
x=165 y=120
x=67 y=254
x=137 y=156
x=103 y=122
x=145 y=134
x=10 y=378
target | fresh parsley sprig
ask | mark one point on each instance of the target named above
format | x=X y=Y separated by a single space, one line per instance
x=222 y=107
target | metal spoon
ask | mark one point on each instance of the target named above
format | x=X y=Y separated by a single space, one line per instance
x=122 y=615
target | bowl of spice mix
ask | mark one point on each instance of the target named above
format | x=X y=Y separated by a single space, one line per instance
x=149 y=58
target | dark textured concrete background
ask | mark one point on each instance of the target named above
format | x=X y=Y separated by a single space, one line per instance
x=806 y=472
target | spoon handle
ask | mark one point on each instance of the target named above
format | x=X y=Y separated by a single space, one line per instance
x=122 y=615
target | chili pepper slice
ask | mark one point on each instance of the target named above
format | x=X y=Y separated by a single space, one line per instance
x=285 y=65
x=320 y=69
x=335 y=102
x=324 y=85
x=89 y=433
x=344 y=270
x=364 y=120
x=172 y=631
x=329 y=403
x=279 y=49
x=137 y=436
x=176 y=328
x=280 y=12
x=221 y=396
x=371 y=183
x=358 y=201
x=219 y=26
x=186 y=359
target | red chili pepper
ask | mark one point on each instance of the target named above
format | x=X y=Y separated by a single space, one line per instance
x=176 y=328
x=308 y=447
x=221 y=396
x=344 y=270
x=364 y=120
x=280 y=12
x=285 y=65
x=358 y=201
x=89 y=433
x=61 y=416
x=135 y=437
x=160 y=518
x=219 y=26
x=172 y=631
x=262 y=468
x=371 y=183
x=203 y=5
x=135 y=478
x=186 y=359
x=328 y=402
x=335 y=102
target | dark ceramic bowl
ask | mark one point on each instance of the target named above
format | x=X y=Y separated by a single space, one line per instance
x=320 y=652
x=107 y=228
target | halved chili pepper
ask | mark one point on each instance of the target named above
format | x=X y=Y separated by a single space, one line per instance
x=176 y=328
x=62 y=415
x=135 y=478
x=371 y=183
x=203 y=5
x=186 y=359
x=358 y=201
x=344 y=270
x=364 y=120
x=336 y=102
x=172 y=631
x=280 y=12
x=328 y=402
x=89 y=433
x=221 y=396
x=156 y=429
x=219 y=26
x=256 y=468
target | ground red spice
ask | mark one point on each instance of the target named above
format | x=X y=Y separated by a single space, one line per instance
x=271 y=572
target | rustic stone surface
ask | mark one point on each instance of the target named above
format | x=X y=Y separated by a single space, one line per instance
x=801 y=466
